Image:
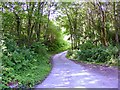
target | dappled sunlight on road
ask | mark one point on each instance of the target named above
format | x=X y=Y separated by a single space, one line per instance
x=78 y=74
x=67 y=74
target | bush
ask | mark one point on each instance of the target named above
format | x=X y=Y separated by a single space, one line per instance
x=99 y=54
x=23 y=64
x=38 y=48
x=72 y=54
x=86 y=45
x=57 y=46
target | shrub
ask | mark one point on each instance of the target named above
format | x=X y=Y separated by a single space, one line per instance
x=57 y=46
x=86 y=45
x=98 y=54
x=38 y=48
x=19 y=63
x=72 y=54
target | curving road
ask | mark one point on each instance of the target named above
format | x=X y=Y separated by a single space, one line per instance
x=67 y=74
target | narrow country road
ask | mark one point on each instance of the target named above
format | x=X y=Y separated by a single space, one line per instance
x=67 y=74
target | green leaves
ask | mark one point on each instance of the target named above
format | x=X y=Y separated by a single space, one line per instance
x=96 y=54
x=86 y=45
x=23 y=64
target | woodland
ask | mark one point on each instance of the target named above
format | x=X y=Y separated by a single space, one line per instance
x=31 y=32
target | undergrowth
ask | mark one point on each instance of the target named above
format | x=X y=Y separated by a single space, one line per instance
x=90 y=53
x=22 y=65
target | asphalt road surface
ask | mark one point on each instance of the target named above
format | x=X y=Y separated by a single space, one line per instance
x=67 y=74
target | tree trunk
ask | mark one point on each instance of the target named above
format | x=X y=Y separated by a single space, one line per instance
x=38 y=29
x=71 y=30
x=18 y=24
x=47 y=27
x=115 y=23
x=103 y=29
x=30 y=27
